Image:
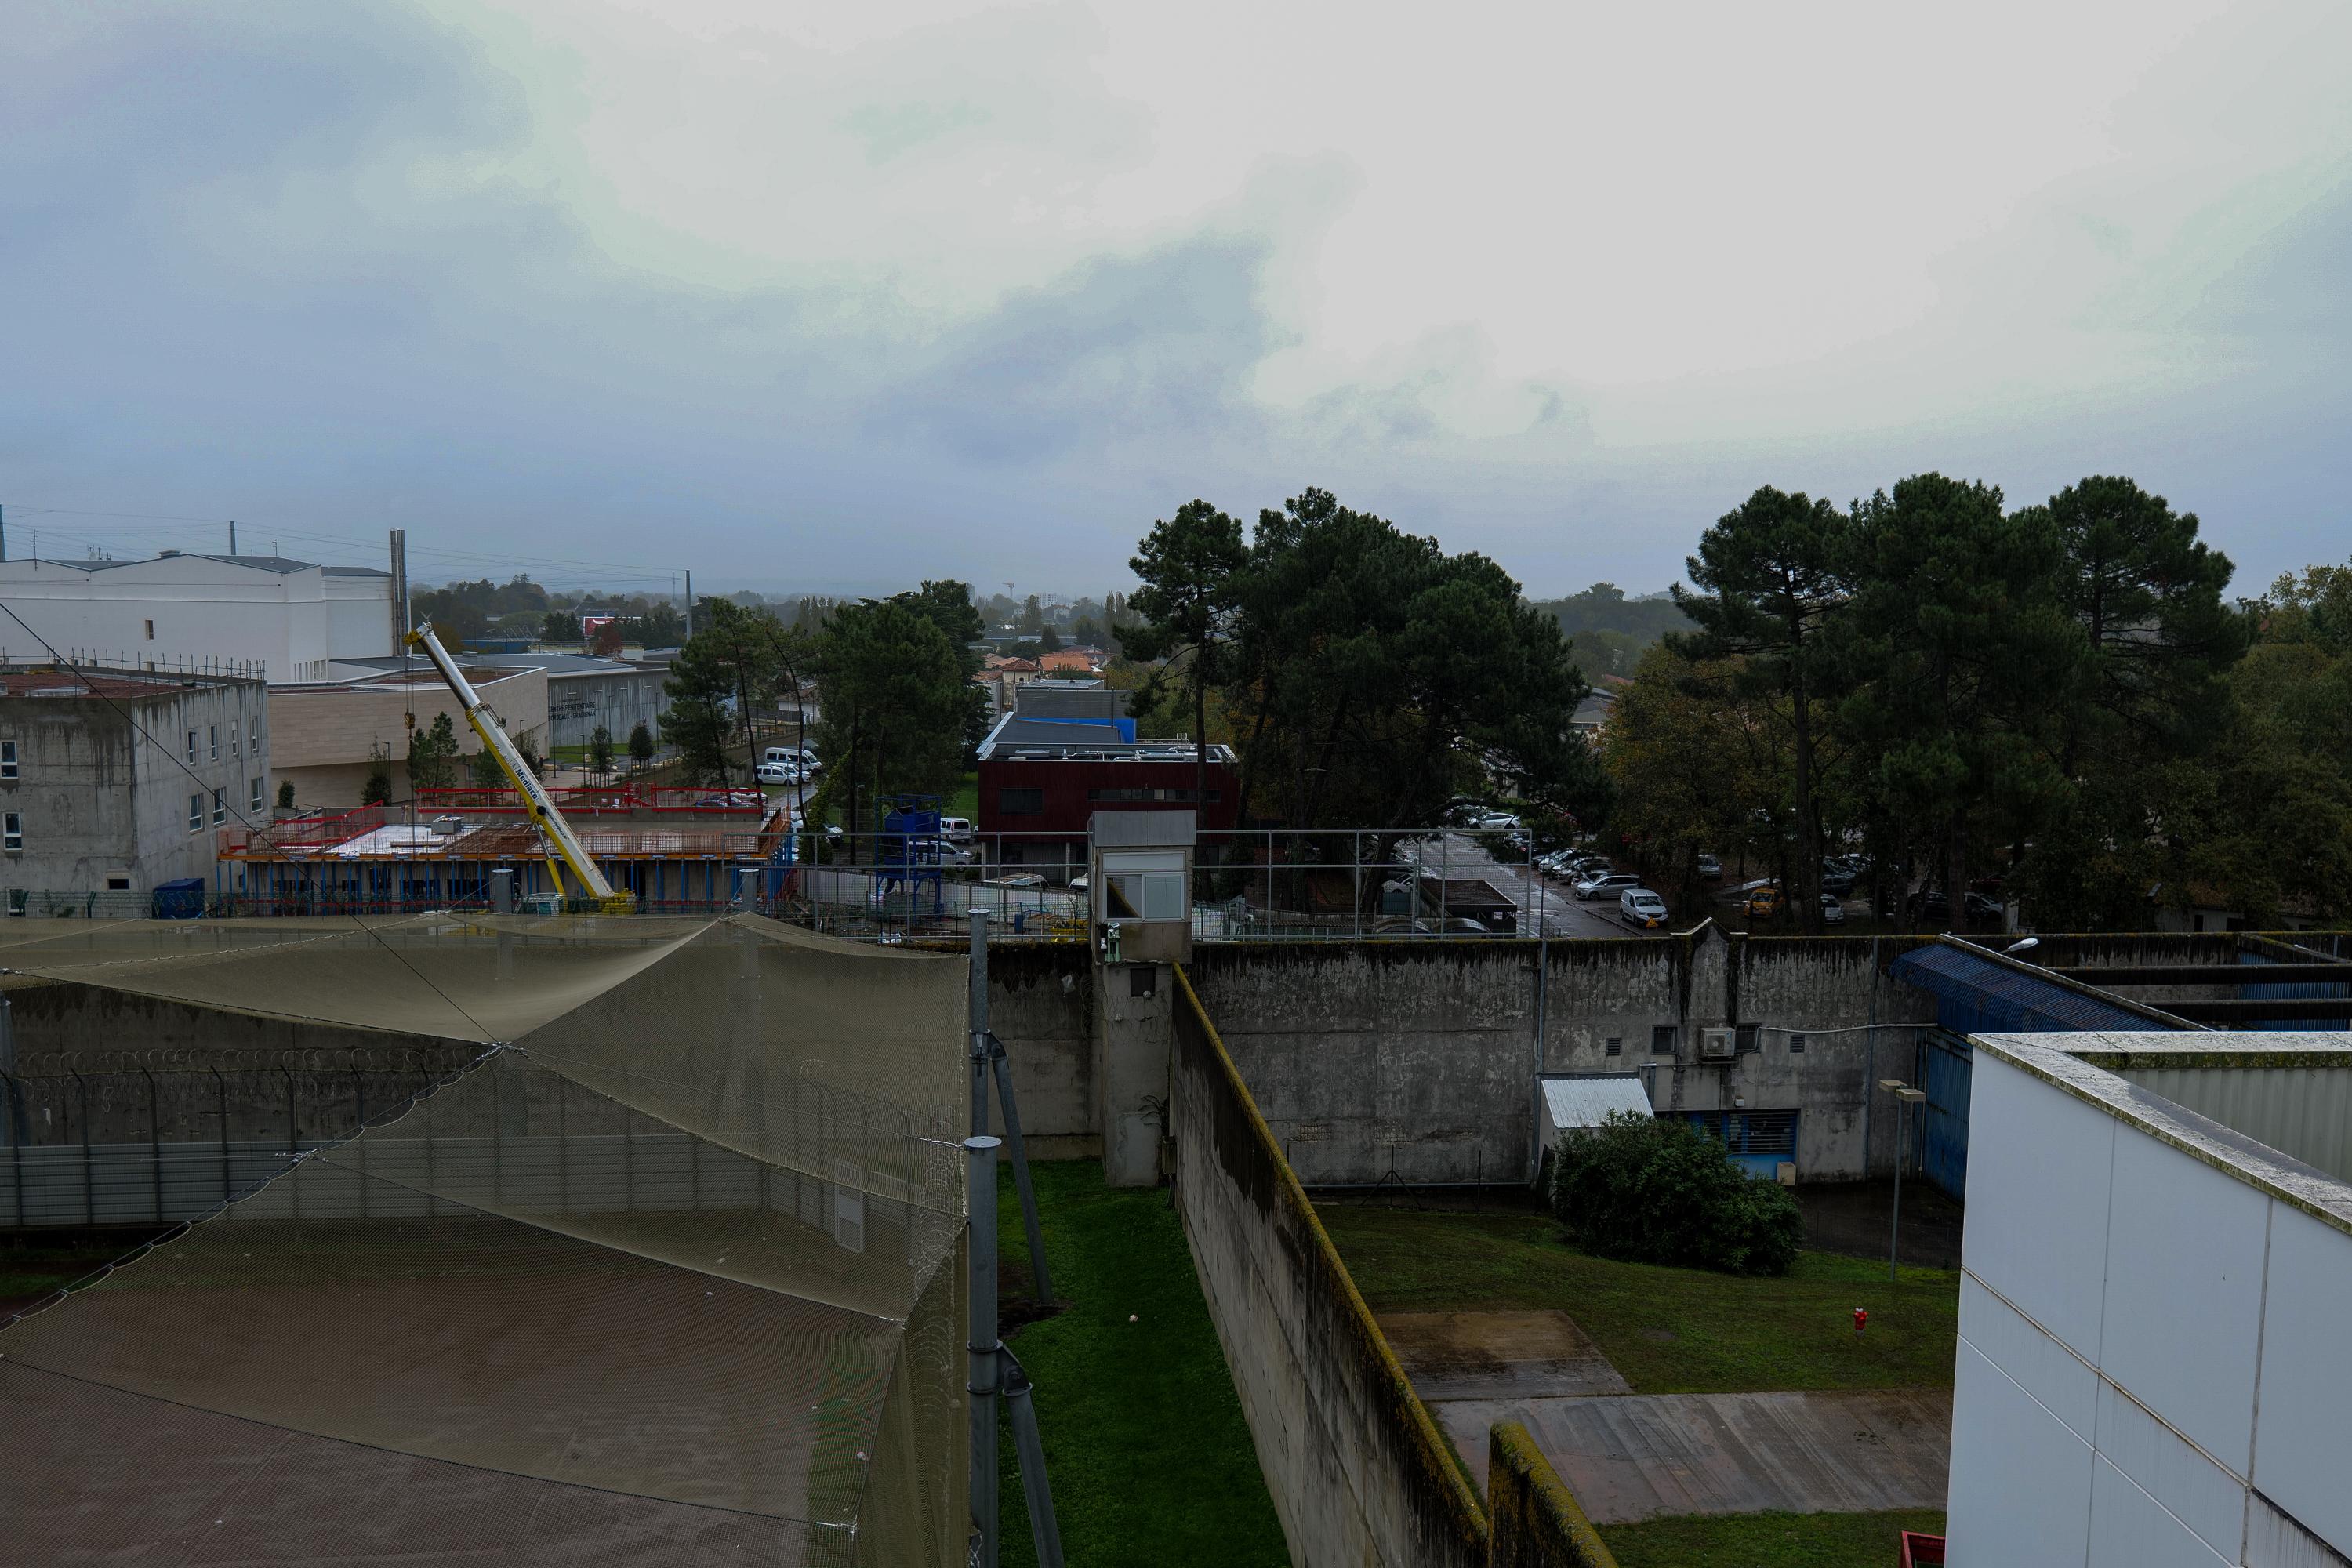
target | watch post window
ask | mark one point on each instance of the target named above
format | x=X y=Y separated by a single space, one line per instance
x=7 y=759
x=12 y=830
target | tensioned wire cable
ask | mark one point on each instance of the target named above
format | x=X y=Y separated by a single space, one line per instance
x=141 y=730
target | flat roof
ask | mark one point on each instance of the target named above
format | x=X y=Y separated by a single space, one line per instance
x=2100 y=1067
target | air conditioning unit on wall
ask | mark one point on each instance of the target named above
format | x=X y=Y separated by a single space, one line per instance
x=1716 y=1044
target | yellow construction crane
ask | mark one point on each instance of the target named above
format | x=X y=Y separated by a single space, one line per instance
x=535 y=798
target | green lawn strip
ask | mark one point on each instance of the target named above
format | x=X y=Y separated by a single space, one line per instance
x=1769 y=1540
x=1150 y=1458
x=964 y=800
x=1667 y=1331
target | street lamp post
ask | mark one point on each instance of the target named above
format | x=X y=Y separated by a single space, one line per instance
x=1905 y=1097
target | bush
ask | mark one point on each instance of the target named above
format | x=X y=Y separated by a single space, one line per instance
x=1650 y=1190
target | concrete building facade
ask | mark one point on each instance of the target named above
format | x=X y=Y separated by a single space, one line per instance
x=287 y=619
x=114 y=781
x=330 y=737
x=584 y=692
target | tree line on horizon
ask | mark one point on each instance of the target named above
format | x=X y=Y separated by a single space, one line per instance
x=2060 y=698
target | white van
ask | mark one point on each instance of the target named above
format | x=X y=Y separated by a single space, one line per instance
x=1641 y=907
x=956 y=829
x=800 y=757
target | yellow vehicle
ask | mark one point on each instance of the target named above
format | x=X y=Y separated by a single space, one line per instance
x=1764 y=902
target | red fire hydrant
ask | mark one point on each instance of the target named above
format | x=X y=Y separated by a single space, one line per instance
x=1860 y=1320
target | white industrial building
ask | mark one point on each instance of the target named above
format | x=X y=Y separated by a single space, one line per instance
x=254 y=613
x=2154 y=1365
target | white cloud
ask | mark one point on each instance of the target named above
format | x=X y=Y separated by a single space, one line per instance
x=1558 y=280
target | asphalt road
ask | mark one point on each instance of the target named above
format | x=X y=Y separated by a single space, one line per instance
x=1539 y=898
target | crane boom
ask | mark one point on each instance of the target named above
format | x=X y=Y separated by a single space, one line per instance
x=535 y=798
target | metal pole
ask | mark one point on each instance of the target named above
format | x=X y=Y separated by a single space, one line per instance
x=979 y=1180
x=1040 y=1281
x=1044 y=1531
x=978 y=1043
x=1894 y=1229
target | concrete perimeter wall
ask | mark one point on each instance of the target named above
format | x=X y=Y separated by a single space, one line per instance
x=1360 y=1474
x=1041 y=1005
x=1420 y=1057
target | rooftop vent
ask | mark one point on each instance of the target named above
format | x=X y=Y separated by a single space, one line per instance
x=167 y=555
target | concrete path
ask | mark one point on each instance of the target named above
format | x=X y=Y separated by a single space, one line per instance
x=1636 y=1456
x=1630 y=1456
x=1498 y=1355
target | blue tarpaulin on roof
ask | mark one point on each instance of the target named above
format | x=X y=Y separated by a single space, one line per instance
x=1975 y=996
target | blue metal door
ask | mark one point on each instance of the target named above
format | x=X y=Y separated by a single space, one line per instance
x=1943 y=1136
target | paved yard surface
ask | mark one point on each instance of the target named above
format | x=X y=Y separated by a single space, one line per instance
x=1629 y=1457
x=1642 y=1456
x=1498 y=1355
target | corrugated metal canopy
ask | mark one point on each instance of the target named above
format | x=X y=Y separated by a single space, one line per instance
x=1574 y=1102
x=1976 y=995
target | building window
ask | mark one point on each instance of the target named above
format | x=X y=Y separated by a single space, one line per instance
x=1615 y=1047
x=220 y=809
x=195 y=810
x=12 y=830
x=151 y=631
x=1796 y=1044
x=1021 y=802
x=7 y=759
x=118 y=881
x=214 y=734
x=236 y=739
x=1749 y=1037
x=1662 y=1040
x=256 y=795
x=191 y=745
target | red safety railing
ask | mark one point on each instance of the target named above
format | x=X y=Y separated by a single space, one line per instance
x=596 y=800
x=317 y=830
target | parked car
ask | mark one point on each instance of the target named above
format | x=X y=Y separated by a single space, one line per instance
x=778 y=773
x=956 y=829
x=1606 y=885
x=1710 y=870
x=1833 y=910
x=1764 y=902
x=1641 y=907
x=1836 y=877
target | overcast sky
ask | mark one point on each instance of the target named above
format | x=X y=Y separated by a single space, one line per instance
x=839 y=297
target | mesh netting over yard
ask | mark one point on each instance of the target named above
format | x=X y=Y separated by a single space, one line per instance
x=667 y=1273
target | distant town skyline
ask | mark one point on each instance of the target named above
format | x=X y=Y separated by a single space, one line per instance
x=834 y=303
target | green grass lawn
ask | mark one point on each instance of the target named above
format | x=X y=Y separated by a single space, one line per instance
x=1150 y=1458
x=1668 y=1330
x=963 y=798
x=1769 y=1540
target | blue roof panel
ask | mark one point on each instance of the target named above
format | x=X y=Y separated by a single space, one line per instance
x=1976 y=995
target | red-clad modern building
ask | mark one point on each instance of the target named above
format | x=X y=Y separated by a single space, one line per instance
x=1066 y=751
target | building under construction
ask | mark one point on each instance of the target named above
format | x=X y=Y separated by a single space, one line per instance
x=676 y=850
